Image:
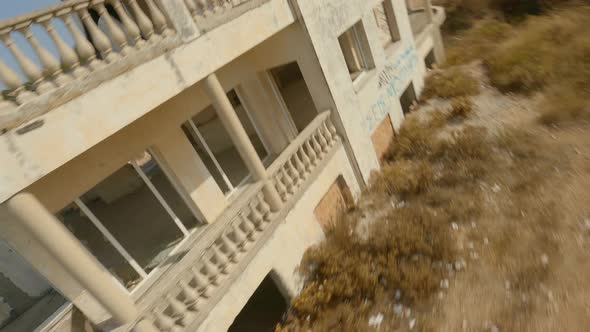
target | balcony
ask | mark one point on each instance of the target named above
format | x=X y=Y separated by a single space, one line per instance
x=93 y=41
x=184 y=294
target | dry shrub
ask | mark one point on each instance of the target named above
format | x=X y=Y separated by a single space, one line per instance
x=461 y=107
x=415 y=139
x=404 y=177
x=397 y=255
x=478 y=41
x=531 y=59
x=453 y=82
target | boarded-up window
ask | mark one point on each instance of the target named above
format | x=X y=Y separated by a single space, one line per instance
x=383 y=137
x=337 y=200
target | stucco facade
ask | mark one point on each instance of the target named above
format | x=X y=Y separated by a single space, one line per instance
x=183 y=162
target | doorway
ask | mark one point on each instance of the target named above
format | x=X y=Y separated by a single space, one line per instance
x=295 y=94
x=263 y=311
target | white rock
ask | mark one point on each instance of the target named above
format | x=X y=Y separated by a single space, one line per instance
x=412 y=323
x=398 y=295
x=444 y=284
x=545 y=259
x=376 y=320
x=454 y=226
x=496 y=188
x=398 y=309
x=459 y=265
x=441 y=295
x=473 y=224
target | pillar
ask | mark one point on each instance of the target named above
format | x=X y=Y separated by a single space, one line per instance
x=239 y=137
x=24 y=211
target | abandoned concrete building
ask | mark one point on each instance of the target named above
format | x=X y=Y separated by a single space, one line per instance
x=164 y=164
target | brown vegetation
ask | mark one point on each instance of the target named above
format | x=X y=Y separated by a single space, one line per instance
x=450 y=83
x=432 y=179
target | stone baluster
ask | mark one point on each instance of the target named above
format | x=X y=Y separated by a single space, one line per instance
x=119 y=39
x=287 y=179
x=240 y=237
x=69 y=58
x=99 y=39
x=328 y=135
x=332 y=129
x=264 y=208
x=322 y=138
x=311 y=152
x=299 y=164
x=143 y=22
x=230 y=248
x=305 y=159
x=131 y=29
x=255 y=217
x=316 y=145
x=281 y=188
x=83 y=47
x=177 y=308
x=158 y=18
x=211 y=270
x=29 y=68
x=249 y=228
x=12 y=82
x=190 y=295
x=202 y=7
x=221 y=259
x=192 y=8
x=201 y=283
x=164 y=322
x=51 y=67
x=293 y=172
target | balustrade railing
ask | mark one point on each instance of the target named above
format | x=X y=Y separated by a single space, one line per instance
x=102 y=32
x=206 y=8
x=192 y=291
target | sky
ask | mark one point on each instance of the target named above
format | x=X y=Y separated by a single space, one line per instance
x=12 y=8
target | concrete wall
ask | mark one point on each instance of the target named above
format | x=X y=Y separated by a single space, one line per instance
x=283 y=251
x=362 y=106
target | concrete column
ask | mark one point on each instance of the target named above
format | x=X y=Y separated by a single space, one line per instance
x=428 y=10
x=26 y=212
x=239 y=137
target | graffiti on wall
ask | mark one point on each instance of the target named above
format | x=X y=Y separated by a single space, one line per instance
x=392 y=80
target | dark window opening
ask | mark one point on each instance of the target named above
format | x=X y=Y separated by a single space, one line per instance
x=263 y=311
x=295 y=93
x=408 y=98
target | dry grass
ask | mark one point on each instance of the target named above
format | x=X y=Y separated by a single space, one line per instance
x=436 y=176
x=450 y=83
x=530 y=57
x=481 y=40
x=461 y=108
